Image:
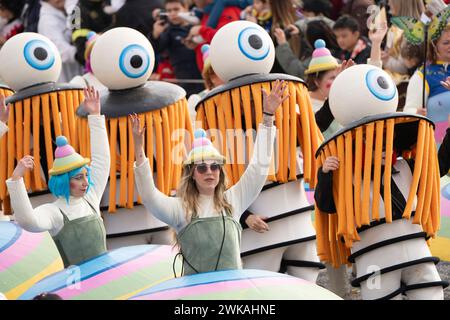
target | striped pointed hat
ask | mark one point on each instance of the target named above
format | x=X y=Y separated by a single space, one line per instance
x=322 y=60
x=203 y=149
x=66 y=158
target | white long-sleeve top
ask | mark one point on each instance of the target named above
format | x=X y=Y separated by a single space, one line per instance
x=170 y=209
x=53 y=25
x=414 y=93
x=3 y=128
x=48 y=217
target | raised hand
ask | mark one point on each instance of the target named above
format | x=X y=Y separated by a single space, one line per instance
x=25 y=164
x=138 y=132
x=345 y=65
x=92 y=100
x=277 y=96
x=4 y=110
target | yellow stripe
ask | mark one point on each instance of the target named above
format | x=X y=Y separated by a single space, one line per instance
x=440 y=248
x=55 y=266
x=427 y=87
x=129 y=295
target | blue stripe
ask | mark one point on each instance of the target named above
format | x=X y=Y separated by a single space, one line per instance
x=9 y=233
x=88 y=269
x=208 y=278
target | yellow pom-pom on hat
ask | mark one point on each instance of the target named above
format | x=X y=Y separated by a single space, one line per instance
x=322 y=60
x=66 y=158
x=203 y=149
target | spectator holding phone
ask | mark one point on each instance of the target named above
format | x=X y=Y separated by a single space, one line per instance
x=169 y=33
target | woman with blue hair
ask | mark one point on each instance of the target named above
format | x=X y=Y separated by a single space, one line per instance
x=73 y=220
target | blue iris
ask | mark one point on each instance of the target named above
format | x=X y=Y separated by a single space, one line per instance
x=39 y=55
x=134 y=61
x=253 y=43
x=380 y=85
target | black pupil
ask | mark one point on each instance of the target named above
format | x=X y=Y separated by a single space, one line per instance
x=136 y=62
x=40 y=53
x=382 y=82
x=255 y=41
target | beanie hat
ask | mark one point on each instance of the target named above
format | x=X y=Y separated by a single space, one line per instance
x=66 y=159
x=202 y=149
x=322 y=60
x=206 y=59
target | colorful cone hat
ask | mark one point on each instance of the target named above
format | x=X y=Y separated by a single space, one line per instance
x=66 y=158
x=202 y=149
x=322 y=60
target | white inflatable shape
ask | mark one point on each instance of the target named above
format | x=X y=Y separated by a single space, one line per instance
x=240 y=48
x=360 y=91
x=122 y=58
x=28 y=59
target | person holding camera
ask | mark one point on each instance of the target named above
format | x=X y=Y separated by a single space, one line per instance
x=169 y=33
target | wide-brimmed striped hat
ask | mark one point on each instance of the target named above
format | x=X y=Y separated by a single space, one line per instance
x=203 y=149
x=322 y=59
x=66 y=158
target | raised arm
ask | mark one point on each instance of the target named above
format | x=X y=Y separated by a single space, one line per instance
x=167 y=209
x=43 y=218
x=244 y=193
x=101 y=159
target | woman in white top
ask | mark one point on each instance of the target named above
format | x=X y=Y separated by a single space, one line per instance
x=73 y=220
x=204 y=215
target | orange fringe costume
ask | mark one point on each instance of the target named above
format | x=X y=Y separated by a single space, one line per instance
x=351 y=191
x=48 y=105
x=239 y=107
x=162 y=109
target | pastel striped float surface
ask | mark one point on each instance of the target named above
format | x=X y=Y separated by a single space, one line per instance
x=236 y=285
x=25 y=258
x=115 y=275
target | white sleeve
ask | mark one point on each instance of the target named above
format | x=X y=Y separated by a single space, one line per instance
x=101 y=159
x=52 y=29
x=44 y=218
x=247 y=189
x=167 y=209
x=3 y=128
x=414 y=93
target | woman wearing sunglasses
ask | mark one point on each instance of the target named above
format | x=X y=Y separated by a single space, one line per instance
x=204 y=214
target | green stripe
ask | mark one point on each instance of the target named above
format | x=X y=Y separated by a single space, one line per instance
x=129 y=283
x=28 y=267
x=445 y=227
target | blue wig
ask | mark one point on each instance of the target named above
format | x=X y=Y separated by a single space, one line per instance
x=59 y=185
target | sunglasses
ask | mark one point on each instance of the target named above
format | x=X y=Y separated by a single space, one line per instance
x=202 y=168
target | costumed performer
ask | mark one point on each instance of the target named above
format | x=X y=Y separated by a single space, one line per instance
x=373 y=207
x=204 y=215
x=74 y=219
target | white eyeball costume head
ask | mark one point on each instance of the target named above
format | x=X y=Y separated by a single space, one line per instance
x=28 y=59
x=360 y=91
x=240 y=48
x=122 y=58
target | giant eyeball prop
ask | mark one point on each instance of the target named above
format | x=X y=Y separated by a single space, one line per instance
x=28 y=59
x=240 y=48
x=361 y=91
x=122 y=58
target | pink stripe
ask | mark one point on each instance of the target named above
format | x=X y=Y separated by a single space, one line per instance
x=205 y=289
x=445 y=207
x=26 y=243
x=323 y=52
x=63 y=152
x=108 y=276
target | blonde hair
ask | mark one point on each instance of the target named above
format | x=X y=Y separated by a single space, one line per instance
x=432 y=51
x=188 y=193
x=409 y=8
